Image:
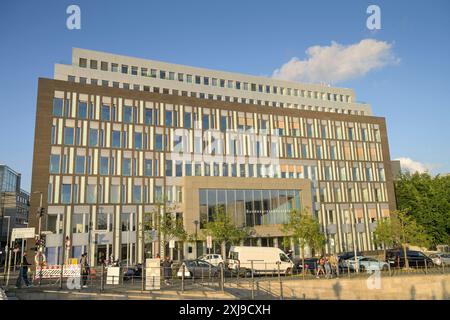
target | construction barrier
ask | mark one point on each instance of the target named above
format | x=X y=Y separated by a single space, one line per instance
x=49 y=272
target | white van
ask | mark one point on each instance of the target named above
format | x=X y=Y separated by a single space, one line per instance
x=265 y=260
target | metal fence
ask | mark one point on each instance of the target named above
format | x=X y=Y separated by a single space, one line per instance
x=243 y=282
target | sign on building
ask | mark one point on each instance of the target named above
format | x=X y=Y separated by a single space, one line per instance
x=22 y=233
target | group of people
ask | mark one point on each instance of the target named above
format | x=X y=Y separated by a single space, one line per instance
x=328 y=265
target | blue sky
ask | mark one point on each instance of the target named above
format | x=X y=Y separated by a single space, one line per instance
x=253 y=37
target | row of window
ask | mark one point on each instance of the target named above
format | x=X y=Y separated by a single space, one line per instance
x=130 y=167
x=216 y=97
x=205 y=121
x=211 y=81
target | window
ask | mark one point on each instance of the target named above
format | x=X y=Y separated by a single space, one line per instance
x=205 y=122
x=189 y=78
x=93 y=137
x=104 y=166
x=126 y=167
x=149 y=116
x=187 y=120
x=116 y=139
x=54 y=163
x=124 y=69
x=80 y=162
x=82 y=63
x=168 y=168
x=57 y=107
x=68 y=135
x=137 y=198
x=91 y=193
x=134 y=70
x=162 y=74
x=350 y=133
x=127 y=114
x=169 y=119
x=82 y=110
x=66 y=191
x=159 y=142
x=138 y=140
x=148 y=163
x=93 y=64
x=106 y=113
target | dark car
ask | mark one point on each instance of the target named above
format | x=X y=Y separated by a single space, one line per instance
x=310 y=265
x=132 y=272
x=396 y=258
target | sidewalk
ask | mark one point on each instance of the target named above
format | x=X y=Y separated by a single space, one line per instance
x=194 y=293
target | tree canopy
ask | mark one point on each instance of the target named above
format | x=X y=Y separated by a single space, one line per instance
x=427 y=200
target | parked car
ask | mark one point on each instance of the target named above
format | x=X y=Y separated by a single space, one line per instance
x=263 y=260
x=214 y=259
x=367 y=264
x=310 y=265
x=440 y=258
x=132 y=272
x=396 y=258
x=197 y=269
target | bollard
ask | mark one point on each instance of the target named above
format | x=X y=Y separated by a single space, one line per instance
x=61 y=277
x=142 y=278
x=253 y=283
x=102 y=278
x=426 y=267
x=443 y=267
x=221 y=278
x=281 y=282
x=182 y=277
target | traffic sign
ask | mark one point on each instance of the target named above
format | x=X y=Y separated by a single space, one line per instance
x=22 y=233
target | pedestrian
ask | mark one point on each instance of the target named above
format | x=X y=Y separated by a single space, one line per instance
x=327 y=268
x=320 y=267
x=85 y=270
x=167 y=269
x=23 y=273
x=336 y=264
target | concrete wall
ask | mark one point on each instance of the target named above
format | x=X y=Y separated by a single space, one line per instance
x=412 y=287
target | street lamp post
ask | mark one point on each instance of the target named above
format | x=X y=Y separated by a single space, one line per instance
x=7 y=243
x=40 y=215
x=196 y=243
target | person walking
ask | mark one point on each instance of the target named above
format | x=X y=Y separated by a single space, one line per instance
x=320 y=267
x=167 y=270
x=84 y=269
x=327 y=268
x=23 y=273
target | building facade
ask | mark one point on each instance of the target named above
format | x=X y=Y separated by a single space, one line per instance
x=14 y=203
x=121 y=139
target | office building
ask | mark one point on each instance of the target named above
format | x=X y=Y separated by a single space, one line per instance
x=117 y=135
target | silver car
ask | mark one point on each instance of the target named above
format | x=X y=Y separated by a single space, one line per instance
x=440 y=258
x=368 y=264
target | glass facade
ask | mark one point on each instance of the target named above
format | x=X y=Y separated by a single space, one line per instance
x=248 y=208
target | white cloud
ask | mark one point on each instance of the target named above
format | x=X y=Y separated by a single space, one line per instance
x=337 y=62
x=408 y=164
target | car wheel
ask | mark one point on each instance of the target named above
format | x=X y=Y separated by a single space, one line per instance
x=288 y=272
x=362 y=268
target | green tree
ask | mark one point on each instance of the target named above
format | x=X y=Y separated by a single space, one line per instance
x=427 y=200
x=305 y=229
x=168 y=226
x=401 y=230
x=384 y=234
x=222 y=229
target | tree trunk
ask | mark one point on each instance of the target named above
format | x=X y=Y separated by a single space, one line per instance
x=303 y=260
x=223 y=249
x=405 y=256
